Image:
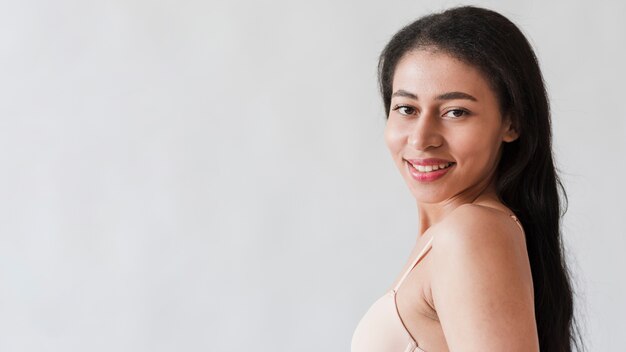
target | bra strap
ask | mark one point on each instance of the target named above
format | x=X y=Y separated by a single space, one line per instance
x=419 y=256
x=518 y=223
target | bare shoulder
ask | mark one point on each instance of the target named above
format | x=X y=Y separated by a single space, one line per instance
x=471 y=228
x=477 y=242
x=482 y=287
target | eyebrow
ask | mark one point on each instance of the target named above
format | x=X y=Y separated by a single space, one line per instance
x=404 y=93
x=444 y=96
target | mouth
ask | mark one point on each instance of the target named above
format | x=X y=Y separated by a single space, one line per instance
x=429 y=165
x=428 y=170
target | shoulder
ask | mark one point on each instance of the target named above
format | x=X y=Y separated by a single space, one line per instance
x=481 y=237
x=471 y=226
x=482 y=272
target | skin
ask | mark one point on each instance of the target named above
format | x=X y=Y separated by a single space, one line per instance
x=473 y=290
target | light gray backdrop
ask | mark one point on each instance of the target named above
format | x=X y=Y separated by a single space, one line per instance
x=211 y=176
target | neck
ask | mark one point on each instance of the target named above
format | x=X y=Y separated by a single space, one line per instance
x=430 y=214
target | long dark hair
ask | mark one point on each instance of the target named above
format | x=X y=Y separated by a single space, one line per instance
x=526 y=178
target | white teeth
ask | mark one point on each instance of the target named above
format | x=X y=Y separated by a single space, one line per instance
x=430 y=168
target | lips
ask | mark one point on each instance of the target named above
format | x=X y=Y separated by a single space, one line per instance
x=431 y=168
x=429 y=161
x=430 y=164
x=427 y=170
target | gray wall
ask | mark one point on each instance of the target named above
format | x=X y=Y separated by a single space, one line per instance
x=197 y=176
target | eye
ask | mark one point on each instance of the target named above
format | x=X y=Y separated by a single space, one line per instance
x=456 y=113
x=404 y=109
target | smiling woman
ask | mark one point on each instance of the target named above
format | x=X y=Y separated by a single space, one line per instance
x=445 y=113
x=468 y=127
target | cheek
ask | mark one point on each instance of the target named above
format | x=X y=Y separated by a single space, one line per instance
x=476 y=148
x=393 y=137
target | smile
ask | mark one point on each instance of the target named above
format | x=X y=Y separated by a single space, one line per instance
x=431 y=168
x=429 y=173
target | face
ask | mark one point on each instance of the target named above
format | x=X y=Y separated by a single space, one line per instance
x=444 y=129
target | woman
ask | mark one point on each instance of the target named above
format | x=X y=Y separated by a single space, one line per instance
x=468 y=126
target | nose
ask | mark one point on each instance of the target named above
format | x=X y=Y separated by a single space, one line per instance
x=425 y=133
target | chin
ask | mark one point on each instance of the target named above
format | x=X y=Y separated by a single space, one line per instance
x=431 y=196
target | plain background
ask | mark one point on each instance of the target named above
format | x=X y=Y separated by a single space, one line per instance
x=212 y=176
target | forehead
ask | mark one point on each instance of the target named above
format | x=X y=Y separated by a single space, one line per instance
x=430 y=73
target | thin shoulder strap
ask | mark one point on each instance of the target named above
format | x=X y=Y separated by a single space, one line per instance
x=518 y=223
x=419 y=256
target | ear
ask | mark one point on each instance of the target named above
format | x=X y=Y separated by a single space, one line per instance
x=510 y=132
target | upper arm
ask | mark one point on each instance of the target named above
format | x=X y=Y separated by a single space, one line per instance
x=482 y=288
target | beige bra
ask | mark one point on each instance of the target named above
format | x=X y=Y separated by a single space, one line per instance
x=381 y=329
